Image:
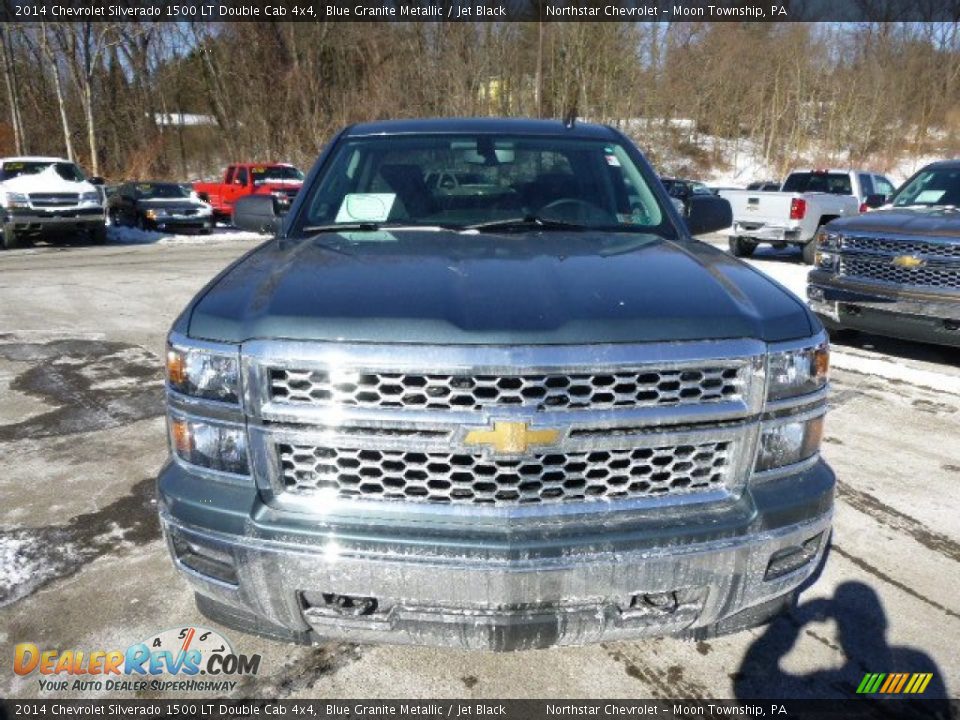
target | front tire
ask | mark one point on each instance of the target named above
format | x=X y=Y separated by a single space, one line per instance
x=742 y=247
x=97 y=235
x=10 y=238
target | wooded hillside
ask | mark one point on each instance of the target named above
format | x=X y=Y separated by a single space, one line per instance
x=111 y=95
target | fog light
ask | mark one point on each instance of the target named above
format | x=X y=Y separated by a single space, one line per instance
x=205 y=560
x=218 y=447
x=789 y=443
x=793 y=558
x=332 y=604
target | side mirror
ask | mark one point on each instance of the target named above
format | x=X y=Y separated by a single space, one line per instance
x=875 y=201
x=96 y=180
x=707 y=214
x=257 y=213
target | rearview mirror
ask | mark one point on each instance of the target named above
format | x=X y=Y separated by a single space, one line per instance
x=707 y=214
x=257 y=213
x=875 y=201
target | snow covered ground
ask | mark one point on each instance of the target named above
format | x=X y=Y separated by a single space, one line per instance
x=122 y=235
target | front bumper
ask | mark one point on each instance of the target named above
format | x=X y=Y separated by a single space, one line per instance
x=883 y=310
x=503 y=585
x=52 y=221
x=768 y=233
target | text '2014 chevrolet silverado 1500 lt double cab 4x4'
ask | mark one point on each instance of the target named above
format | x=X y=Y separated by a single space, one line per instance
x=540 y=414
x=807 y=200
x=896 y=271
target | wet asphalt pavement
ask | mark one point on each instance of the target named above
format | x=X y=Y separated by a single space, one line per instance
x=82 y=564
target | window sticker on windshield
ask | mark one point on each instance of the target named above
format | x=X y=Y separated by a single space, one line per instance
x=13 y=166
x=145 y=188
x=366 y=207
x=367 y=237
x=613 y=161
x=929 y=197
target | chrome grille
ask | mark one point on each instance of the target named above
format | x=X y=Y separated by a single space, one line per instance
x=473 y=479
x=581 y=391
x=948 y=250
x=54 y=199
x=934 y=276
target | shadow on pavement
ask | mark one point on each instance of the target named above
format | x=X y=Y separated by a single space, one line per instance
x=862 y=628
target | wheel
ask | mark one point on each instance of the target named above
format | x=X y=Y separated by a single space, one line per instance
x=810 y=252
x=97 y=234
x=10 y=238
x=741 y=247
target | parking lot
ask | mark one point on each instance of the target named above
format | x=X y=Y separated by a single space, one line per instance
x=82 y=564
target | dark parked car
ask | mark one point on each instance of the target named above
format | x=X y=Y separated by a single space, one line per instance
x=683 y=190
x=159 y=206
x=895 y=271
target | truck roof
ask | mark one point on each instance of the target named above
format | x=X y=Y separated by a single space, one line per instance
x=953 y=164
x=33 y=158
x=481 y=125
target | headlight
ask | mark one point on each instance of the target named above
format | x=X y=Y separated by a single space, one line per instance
x=789 y=443
x=15 y=200
x=204 y=373
x=210 y=445
x=90 y=197
x=156 y=214
x=797 y=372
x=827 y=240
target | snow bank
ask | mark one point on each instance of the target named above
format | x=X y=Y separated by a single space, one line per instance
x=132 y=236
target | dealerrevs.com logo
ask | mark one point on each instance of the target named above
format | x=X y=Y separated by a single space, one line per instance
x=196 y=658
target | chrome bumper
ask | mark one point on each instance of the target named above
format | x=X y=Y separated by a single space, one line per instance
x=474 y=597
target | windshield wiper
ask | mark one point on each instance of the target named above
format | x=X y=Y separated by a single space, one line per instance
x=374 y=226
x=528 y=222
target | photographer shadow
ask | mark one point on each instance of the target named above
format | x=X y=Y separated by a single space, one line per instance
x=861 y=632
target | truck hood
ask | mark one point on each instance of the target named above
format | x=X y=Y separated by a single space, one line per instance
x=938 y=222
x=47 y=180
x=453 y=288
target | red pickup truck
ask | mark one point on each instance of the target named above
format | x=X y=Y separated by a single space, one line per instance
x=278 y=179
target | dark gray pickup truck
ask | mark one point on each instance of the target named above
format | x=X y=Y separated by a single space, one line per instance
x=528 y=411
x=896 y=271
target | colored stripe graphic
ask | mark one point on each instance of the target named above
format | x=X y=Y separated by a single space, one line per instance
x=894 y=683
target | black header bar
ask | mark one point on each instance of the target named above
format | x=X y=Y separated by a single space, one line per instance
x=471 y=709
x=481 y=10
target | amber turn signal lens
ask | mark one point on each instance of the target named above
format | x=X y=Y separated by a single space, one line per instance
x=176 y=367
x=821 y=362
x=182 y=440
x=812 y=437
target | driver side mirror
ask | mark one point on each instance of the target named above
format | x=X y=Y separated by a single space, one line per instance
x=96 y=180
x=876 y=200
x=707 y=214
x=258 y=213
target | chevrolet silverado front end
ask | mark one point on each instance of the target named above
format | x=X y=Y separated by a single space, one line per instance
x=514 y=433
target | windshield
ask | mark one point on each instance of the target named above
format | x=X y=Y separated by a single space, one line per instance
x=275 y=173
x=810 y=182
x=162 y=191
x=930 y=188
x=66 y=170
x=466 y=180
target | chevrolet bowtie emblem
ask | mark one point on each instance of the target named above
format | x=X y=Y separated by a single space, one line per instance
x=512 y=438
x=907 y=261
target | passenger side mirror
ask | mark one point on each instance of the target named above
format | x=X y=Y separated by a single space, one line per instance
x=707 y=214
x=258 y=213
x=875 y=201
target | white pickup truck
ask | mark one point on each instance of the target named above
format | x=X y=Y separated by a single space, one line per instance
x=807 y=200
x=43 y=196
